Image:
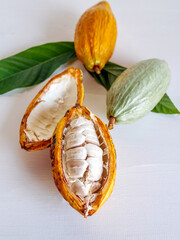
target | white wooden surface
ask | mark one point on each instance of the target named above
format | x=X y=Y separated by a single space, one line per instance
x=145 y=204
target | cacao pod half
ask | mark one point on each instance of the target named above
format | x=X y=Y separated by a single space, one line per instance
x=95 y=36
x=48 y=107
x=83 y=160
x=137 y=91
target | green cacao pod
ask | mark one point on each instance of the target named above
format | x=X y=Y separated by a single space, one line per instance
x=137 y=91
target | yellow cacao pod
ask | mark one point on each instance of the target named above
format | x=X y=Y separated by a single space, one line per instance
x=48 y=107
x=95 y=36
x=83 y=160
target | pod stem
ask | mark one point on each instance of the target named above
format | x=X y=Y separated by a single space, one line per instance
x=112 y=121
x=97 y=69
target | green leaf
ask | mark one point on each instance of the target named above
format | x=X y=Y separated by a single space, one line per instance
x=108 y=74
x=111 y=71
x=34 y=65
x=165 y=106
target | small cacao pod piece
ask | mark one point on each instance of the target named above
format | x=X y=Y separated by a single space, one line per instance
x=95 y=36
x=48 y=107
x=137 y=91
x=83 y=160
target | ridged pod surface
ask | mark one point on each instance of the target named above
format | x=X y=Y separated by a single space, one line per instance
x=73 y=159
x=137 y=91
x=48 y=107
x=95 y=36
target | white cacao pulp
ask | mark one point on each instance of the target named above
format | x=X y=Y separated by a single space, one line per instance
x=60 y=96
x=83 y=158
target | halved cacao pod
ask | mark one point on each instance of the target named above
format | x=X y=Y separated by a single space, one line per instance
x=95 y=36
x=83 y=160
x=48 y=107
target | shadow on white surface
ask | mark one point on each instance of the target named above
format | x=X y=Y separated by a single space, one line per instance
x=34 y=166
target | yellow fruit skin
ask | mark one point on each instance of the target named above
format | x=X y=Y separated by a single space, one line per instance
x=39 y=145
x=57 y=164
x=95 y=36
